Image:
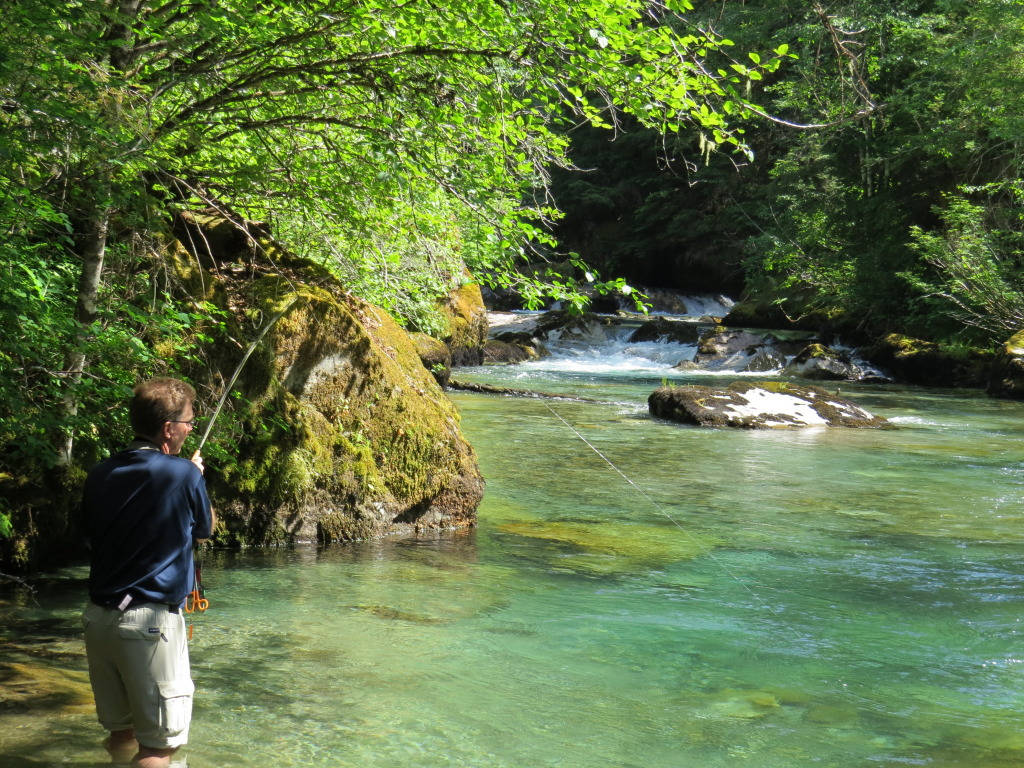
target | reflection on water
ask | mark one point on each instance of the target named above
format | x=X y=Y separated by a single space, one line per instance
x=784 y=598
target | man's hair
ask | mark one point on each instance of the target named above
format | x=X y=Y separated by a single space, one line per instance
x=157 y=401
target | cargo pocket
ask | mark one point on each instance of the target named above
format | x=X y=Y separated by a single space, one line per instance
x=175 y=707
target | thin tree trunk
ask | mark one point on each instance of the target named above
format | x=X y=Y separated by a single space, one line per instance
x=93 y=244
x=93 y=250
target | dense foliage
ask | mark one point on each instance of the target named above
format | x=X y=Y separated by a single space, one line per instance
x=390 y=141
x=886 y=194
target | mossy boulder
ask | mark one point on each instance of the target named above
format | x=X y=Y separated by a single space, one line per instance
x=914 y=361
x=781 y=311
x=1006 y=378
x=497 y=351
x=435 y=356
x=468 y=328
x=759 y=404
x=338 y=431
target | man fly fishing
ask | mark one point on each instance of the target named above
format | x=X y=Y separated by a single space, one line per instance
x=145 y=508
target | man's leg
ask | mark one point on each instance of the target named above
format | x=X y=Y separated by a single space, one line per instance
x=121 y=745
x=151 y=757
x=112 y=707
x=155 y=666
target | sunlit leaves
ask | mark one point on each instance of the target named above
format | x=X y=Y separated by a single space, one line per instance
x=388 y=141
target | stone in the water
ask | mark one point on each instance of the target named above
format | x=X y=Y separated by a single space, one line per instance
x=1007 y=372
x=817 y=361
x=736 y=704
x=824 y=714
x=759 y=404
x=662 y=329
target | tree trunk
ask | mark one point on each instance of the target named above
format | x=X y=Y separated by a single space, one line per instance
x=93 y=250
x=92 y=245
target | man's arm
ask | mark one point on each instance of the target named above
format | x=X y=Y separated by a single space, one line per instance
x=213 y=524
x=197 y=459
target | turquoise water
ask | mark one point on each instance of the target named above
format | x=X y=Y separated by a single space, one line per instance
x=787 y=598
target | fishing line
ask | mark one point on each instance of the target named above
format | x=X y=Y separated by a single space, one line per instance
x=849 y=648
x=676 y=523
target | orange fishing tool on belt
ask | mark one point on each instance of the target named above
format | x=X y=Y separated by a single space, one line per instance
x=196 y=599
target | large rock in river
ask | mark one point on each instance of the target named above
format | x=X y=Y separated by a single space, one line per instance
x=727 y=349
x=759 y=404
x=339 y=431
x=468 y=327
x=913 y=361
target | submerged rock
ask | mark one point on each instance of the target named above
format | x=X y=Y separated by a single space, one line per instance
x=41 y=688
x=759 y=404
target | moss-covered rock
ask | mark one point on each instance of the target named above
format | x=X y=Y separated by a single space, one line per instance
x=435 y=356
x=816 y=361
x=467 y=324
x=782 y=311
x=913 y=361
x=497 y=351
x=1006 y=378
x=340 y=432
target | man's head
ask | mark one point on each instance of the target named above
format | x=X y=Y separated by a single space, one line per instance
x=161 y=411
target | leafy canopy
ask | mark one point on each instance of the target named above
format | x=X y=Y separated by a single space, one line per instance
x=391 y=141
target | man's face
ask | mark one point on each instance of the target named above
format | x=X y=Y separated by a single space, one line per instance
x=180 y=430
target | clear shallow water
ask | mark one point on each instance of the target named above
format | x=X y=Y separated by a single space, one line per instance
x=763 y=598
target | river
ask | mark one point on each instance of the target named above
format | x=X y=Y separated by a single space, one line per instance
x=637 y=593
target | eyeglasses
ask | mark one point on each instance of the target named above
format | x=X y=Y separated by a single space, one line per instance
x=191 y=422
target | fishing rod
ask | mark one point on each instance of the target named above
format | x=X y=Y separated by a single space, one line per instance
x=196 y=600
x=238 y=370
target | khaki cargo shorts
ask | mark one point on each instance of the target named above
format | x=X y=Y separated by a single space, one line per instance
x=139 y=670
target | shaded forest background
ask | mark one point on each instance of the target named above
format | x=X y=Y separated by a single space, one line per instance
x=885 y=196
x=854 y=164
